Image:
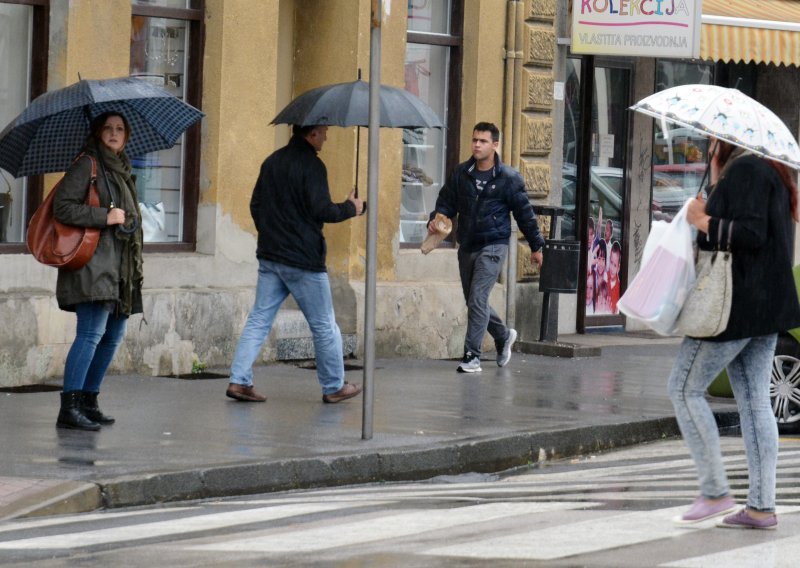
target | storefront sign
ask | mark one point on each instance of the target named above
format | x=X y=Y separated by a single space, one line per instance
x=643 y=28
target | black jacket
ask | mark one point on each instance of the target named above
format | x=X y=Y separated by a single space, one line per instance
x=290 y=203
x=483 y=219
x=752 y=196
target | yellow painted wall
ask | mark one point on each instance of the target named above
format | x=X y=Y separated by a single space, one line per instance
x=98 y=44
x=239 y=99
x=483 y=67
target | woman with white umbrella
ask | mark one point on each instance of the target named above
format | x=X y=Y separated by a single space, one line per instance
x=751 y=211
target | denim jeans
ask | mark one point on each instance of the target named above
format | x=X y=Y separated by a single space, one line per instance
x=479 y=272
x=312 y=292
x=749 y=364
x=99 y=333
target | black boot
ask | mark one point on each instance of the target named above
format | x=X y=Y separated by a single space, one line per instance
x=71 y=415
x=92 y=411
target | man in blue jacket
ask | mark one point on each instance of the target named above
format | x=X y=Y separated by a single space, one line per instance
x=482 y=192
x=290 y=204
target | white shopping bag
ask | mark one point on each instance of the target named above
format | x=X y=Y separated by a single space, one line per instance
x=656 y=294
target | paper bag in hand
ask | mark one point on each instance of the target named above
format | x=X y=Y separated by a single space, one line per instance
x=443 y=226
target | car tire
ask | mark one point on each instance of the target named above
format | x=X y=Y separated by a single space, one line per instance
x=784 y=392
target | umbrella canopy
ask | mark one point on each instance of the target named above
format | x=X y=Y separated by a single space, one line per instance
x=727 y=114
x=347 y=104
x=52 y=130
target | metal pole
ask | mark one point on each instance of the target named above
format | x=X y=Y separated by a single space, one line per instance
x=511 y=277
x=372 y=216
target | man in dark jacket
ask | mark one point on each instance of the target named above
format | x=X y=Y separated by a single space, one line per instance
x=482 y=192
x=290 y=203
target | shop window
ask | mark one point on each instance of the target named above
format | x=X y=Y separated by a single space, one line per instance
x=23 y=60
x=432 y=72
x=166 y=50
x=679 y=155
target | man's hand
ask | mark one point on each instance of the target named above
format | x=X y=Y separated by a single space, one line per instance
x=432 y=227
x=537 y=258
x=358 y=203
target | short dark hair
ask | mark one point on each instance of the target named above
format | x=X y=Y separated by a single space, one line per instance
x=616 y=248
x=488 y=127
x=99 y=121
x=602 y=250
x=303 y=131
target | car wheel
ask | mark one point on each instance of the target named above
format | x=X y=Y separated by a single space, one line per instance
x=784 y=391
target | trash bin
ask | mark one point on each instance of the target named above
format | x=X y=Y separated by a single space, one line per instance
x=560 y=267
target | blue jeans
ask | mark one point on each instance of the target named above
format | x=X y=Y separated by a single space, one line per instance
x=749 y=364
x=312 y=292
x=479 y=272
x=99 y=333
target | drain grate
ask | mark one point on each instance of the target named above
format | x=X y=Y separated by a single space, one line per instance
x=198 y=376
x=312 y=366
x=26 y=389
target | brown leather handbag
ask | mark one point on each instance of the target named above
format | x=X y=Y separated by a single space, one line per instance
x=56 y=244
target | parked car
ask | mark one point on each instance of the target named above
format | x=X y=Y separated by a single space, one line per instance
x=606 y=193
x=673 y=184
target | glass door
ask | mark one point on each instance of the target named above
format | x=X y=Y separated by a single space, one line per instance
x=595 y=207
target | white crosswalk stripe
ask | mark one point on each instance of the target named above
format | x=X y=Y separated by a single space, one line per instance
x=387 y=527
x=559 y=511
x=166 y=528
x=780 y=553
x=560 y=541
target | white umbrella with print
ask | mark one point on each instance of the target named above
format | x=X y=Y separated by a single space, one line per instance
x=727 y=114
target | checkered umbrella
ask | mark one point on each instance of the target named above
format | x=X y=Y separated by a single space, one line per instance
x=51 y=132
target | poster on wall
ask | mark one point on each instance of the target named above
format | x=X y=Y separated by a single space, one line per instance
x=642 y=28
x=602 y=270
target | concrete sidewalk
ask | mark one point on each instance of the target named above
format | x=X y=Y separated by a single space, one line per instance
x=183 y=439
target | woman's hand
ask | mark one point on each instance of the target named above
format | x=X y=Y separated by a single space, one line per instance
x=115 y=216
x=696 y=214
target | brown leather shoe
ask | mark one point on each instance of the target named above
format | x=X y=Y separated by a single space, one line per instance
x=348 y=390
x=243 y=393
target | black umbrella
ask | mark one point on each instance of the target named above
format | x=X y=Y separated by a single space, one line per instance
x=51 y=131
x=347 y=104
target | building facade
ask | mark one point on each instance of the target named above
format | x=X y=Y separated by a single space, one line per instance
x=240 y=62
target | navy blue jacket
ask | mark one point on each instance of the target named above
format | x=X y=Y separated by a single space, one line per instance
x=752 y=196
x=290 y=203
x=483 y=219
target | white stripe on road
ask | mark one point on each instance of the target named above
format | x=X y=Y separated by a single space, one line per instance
x=779 y=553
x=387 y=527
x=583 y=537
x=21 y=525
x=171 y=527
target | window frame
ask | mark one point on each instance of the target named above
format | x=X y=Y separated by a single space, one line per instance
x=40 y=45
x=455 y=42
x=195 y=16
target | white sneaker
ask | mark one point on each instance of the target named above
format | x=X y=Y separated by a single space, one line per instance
x=470 y=363
x=504 y=355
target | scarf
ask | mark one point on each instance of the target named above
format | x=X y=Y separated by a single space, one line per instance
x=118 y=168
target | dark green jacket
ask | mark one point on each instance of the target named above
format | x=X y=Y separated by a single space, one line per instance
x=98 y=281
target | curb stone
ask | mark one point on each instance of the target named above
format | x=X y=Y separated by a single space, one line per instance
x=480 y=456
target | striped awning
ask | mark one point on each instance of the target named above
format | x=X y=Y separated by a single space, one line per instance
x=764 y=31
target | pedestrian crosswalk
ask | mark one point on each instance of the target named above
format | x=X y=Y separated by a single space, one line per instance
x=614 y=509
